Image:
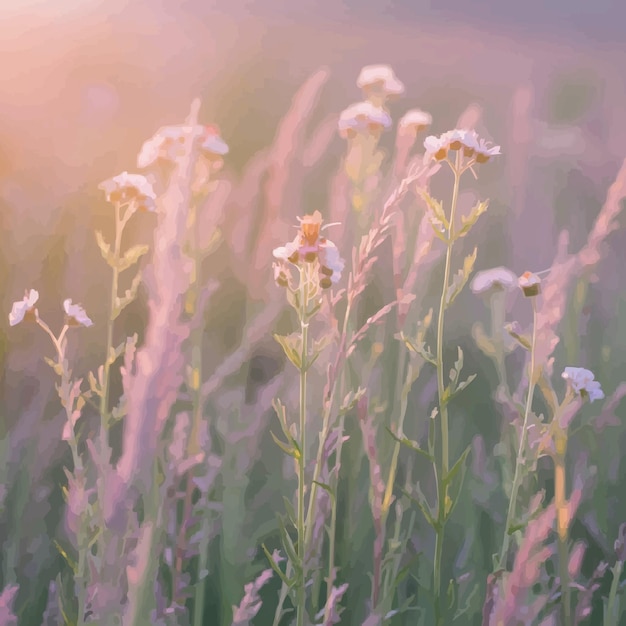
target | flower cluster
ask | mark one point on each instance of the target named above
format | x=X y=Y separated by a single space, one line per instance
x=125 y=188
x=363 y=118
x=167 y=145
x=379 y=81
x=309 y=247
x=473 y=147
x=582 y=382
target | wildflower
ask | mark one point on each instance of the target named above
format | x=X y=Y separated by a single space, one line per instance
x=379 y=80
x=496 y=278
x=484 y=151
x=25 y=308
x=309 y=247
x=438 y=147
x=125 y=188
x=414 y=121
x=75 y=314
x=582 y=382
x=362 y=118
x=530 y=284
x=168 y=144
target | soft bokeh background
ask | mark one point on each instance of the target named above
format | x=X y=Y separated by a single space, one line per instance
x=83 y=83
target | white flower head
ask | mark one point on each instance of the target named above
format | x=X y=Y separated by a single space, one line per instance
x=380 y=78
x=583 y=383
x=363 y=117
x=169 y=141
x=530 y=284
x=496 y=278
x=414 y=121
x=75 y=314
x=309 y=247
x=24 y=309
x=127 y=187
x=486 y=151
x=459 y=139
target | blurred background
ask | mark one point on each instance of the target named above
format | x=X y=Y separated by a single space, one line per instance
x=84 y=82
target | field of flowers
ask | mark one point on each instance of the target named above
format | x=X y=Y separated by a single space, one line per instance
x=370 y=374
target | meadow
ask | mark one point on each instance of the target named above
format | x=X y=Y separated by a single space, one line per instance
x=370 y=373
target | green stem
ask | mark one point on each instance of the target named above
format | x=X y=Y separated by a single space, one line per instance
x=443 y=409
x=104 y=398
x=562 y=524
x=611 y=617
x=522 y=443
x=304 y=327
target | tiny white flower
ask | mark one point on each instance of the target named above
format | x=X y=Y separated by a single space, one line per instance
x=495 y=278
x=288 y=252
x=436 y=147
x=127 y=187
x=530 y=284
x=381 y=77
x=485 y=151
x=168 y=143
x=583 y=383
x=414 y=121
x=331 y=260
x=75 y=314
x=363 y=117
x=24 y=308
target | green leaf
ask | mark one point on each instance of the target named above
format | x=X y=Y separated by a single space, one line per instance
x=131 y=256
x=417 y=347
x=471 y=219
x=291 y=514
x=327 y=488
x=275 y=567
x=461 y=278
x=413 y=445
x=292 y=347
x=105 y=249
x=56 y=367
x=420 y=499
x=289 y=546
x=350 y=400
x=129 y=296
x=286 y=448
x=454 y=481
x=436 y=214
x=73 y=565
x=521 y=339
x=93 y=384
x=319 y=346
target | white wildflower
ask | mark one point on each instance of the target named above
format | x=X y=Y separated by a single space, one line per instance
x=75 y=314
x=495 y=278
x=127 y=187
x=380 y=77
x=583 y=383
x=24 y=308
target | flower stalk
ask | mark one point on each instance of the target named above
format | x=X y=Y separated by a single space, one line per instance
x=517 y=477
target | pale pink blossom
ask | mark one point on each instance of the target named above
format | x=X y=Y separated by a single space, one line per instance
x=363 y=118
x=24 y=308
x=380 y=77
x=414 y=121
x=309 y=246
x=495 y=278
x=75 y=314
x=126 y=187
